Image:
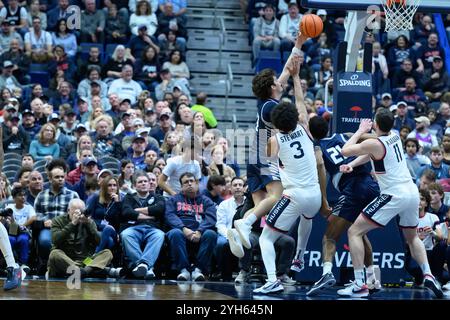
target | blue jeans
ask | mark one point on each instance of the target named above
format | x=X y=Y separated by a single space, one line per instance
x=136 y=237
x=21 y=242
x=45 y=243
x=225 y=259
x=108 y=238
x=179 y=249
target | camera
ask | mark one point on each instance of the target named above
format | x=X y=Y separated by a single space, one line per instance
x=86 y=213
x=7 y=212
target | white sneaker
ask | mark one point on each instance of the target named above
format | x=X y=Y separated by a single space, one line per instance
x=286 y=280
x=140 y=271
x=354 y=291
x=184 y=275
x=433 y=285
x=235 y=243
x=114 y=272
x=150 y=275
x=244 y=232
x=197 y=275
x=446 y=286
x=270 y=287
x=326 y=281
x=373 y=284
x=242 y=277
x=297 y=265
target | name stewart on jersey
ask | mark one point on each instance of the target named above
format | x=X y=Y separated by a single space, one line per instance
x=392 y=140
x=291 y=136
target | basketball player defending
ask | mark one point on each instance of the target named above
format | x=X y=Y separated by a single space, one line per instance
x=398 y=196
x=14 y=272
x=349 y=205
x=263 y=178
x=294 y=148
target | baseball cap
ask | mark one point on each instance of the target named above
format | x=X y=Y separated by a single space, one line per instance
x=27 y=111
x=89 y=160
x=149 y=110
x=177 y=87
x=437 y=58
x=11 y=106
x=95 y=83
x=126 y=113
x=70 y=111
x=422 y=119
x=8 y=64
x=125 y=100
x=84 y=99
x=386 y=95
x=164 y=115
x=402 y=103
x=15 y=116
x=54 y=116
x=393 y=108
x=137 y=121
x=103 y=171
x=321 y=12
x=140 y=131
x=135 y=138
x=80 y=126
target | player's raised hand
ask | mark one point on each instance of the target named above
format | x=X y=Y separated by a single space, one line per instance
x=300 y=40
x=294 y=66
x=365 y=125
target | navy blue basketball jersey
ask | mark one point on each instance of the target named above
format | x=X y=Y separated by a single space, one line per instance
x=263 y=131
x=331 y=149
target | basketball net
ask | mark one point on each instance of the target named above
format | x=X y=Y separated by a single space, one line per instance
x=399 y=14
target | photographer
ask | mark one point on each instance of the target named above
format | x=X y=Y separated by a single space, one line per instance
x=22 y=216
x=75 y=238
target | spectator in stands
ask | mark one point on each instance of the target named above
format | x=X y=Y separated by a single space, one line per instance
x=411 y=95
x=210 y=119
x=126 y=87
x=37 y=107
x=414 y=159
x=116 y=26
x=214 y=188
x=322 y=48
x=168 y=84
x=22 y=218
x=171 y=19
x=169 y=146
x=61 y=65
x=59 y=12
x=38 y=43
x=35 y=11
x=126 y=177
x=93 y=59
x=266 y=31
x=35 y=186
x=170 y=41
x=440 y=169
x=402 y=118
x=446 y=148
x=422 y=31
x=406 y=71
x=75 y=238
x=45 y=147
x=65 y=38
x=229 y=156
x=146 y=69
x=15 y=138
x=51 y=203
x=22 y=178
x=380 y=71
x=183 y=114
x=21 y=61
x=139 y=145
x=7 y=35
x=423 y=135
x=435 y=127
x=15 y=15
x=93 y=22
x=113 y=67
x=93 y=74
x=177 y=67
x=169 y=181
x=436 y=204
x=289 y=26
x=65 y=94
x=217 y=165
x=29 y=123
x=191 y=218
x=74 y=176
x=436 y=81
x=139 y=43
x=7 y=79
x=144 y=213
x=225 y=213
x=5 y=190
x=324 y=74
x=104 y=142
x=89 y=169
x=430 y=50
x=143 y=16
x=401 y=51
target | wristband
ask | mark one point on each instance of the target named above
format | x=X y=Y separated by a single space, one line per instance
x=296 y=51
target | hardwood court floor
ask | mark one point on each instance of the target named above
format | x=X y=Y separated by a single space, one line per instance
x=112 y=289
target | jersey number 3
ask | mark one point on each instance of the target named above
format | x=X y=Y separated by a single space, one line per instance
x=298 y=146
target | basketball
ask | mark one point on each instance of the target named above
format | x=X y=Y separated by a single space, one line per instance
x=389 y=3
x=311 y=25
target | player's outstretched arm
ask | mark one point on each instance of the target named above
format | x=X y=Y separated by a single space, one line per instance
x=284 y=76
x=352 y=148
x=298 y=92
x=347 y=168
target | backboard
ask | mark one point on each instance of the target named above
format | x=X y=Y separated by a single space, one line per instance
x=428 y=6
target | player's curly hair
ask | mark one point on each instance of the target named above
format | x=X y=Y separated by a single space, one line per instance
x=285 y=116
x=262 y=83
x=384 y=119
x=318 y=127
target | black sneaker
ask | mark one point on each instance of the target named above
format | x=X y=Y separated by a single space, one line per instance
x=432 y=284
x=326 y=281
x=13 y=278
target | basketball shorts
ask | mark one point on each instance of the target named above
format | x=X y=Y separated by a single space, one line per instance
x=258 y=176
x=293 y=203
x=385 y=207
x=356 y=194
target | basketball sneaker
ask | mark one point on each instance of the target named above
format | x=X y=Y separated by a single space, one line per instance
x=140 y=271
x=297 y=265
x=446 y=286
x=353 y=290
x=242 y=277
x=270 y=287
x=433 y=285
x=13 y=278
x=235 y=243
x=244 y=232
x=326 y=281
x=373 y=284
x=286 y=280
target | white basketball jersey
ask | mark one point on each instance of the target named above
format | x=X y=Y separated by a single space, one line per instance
x=297 y=162
x=392 y=171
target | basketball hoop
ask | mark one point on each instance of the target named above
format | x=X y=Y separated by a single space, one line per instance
x=399 y=14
